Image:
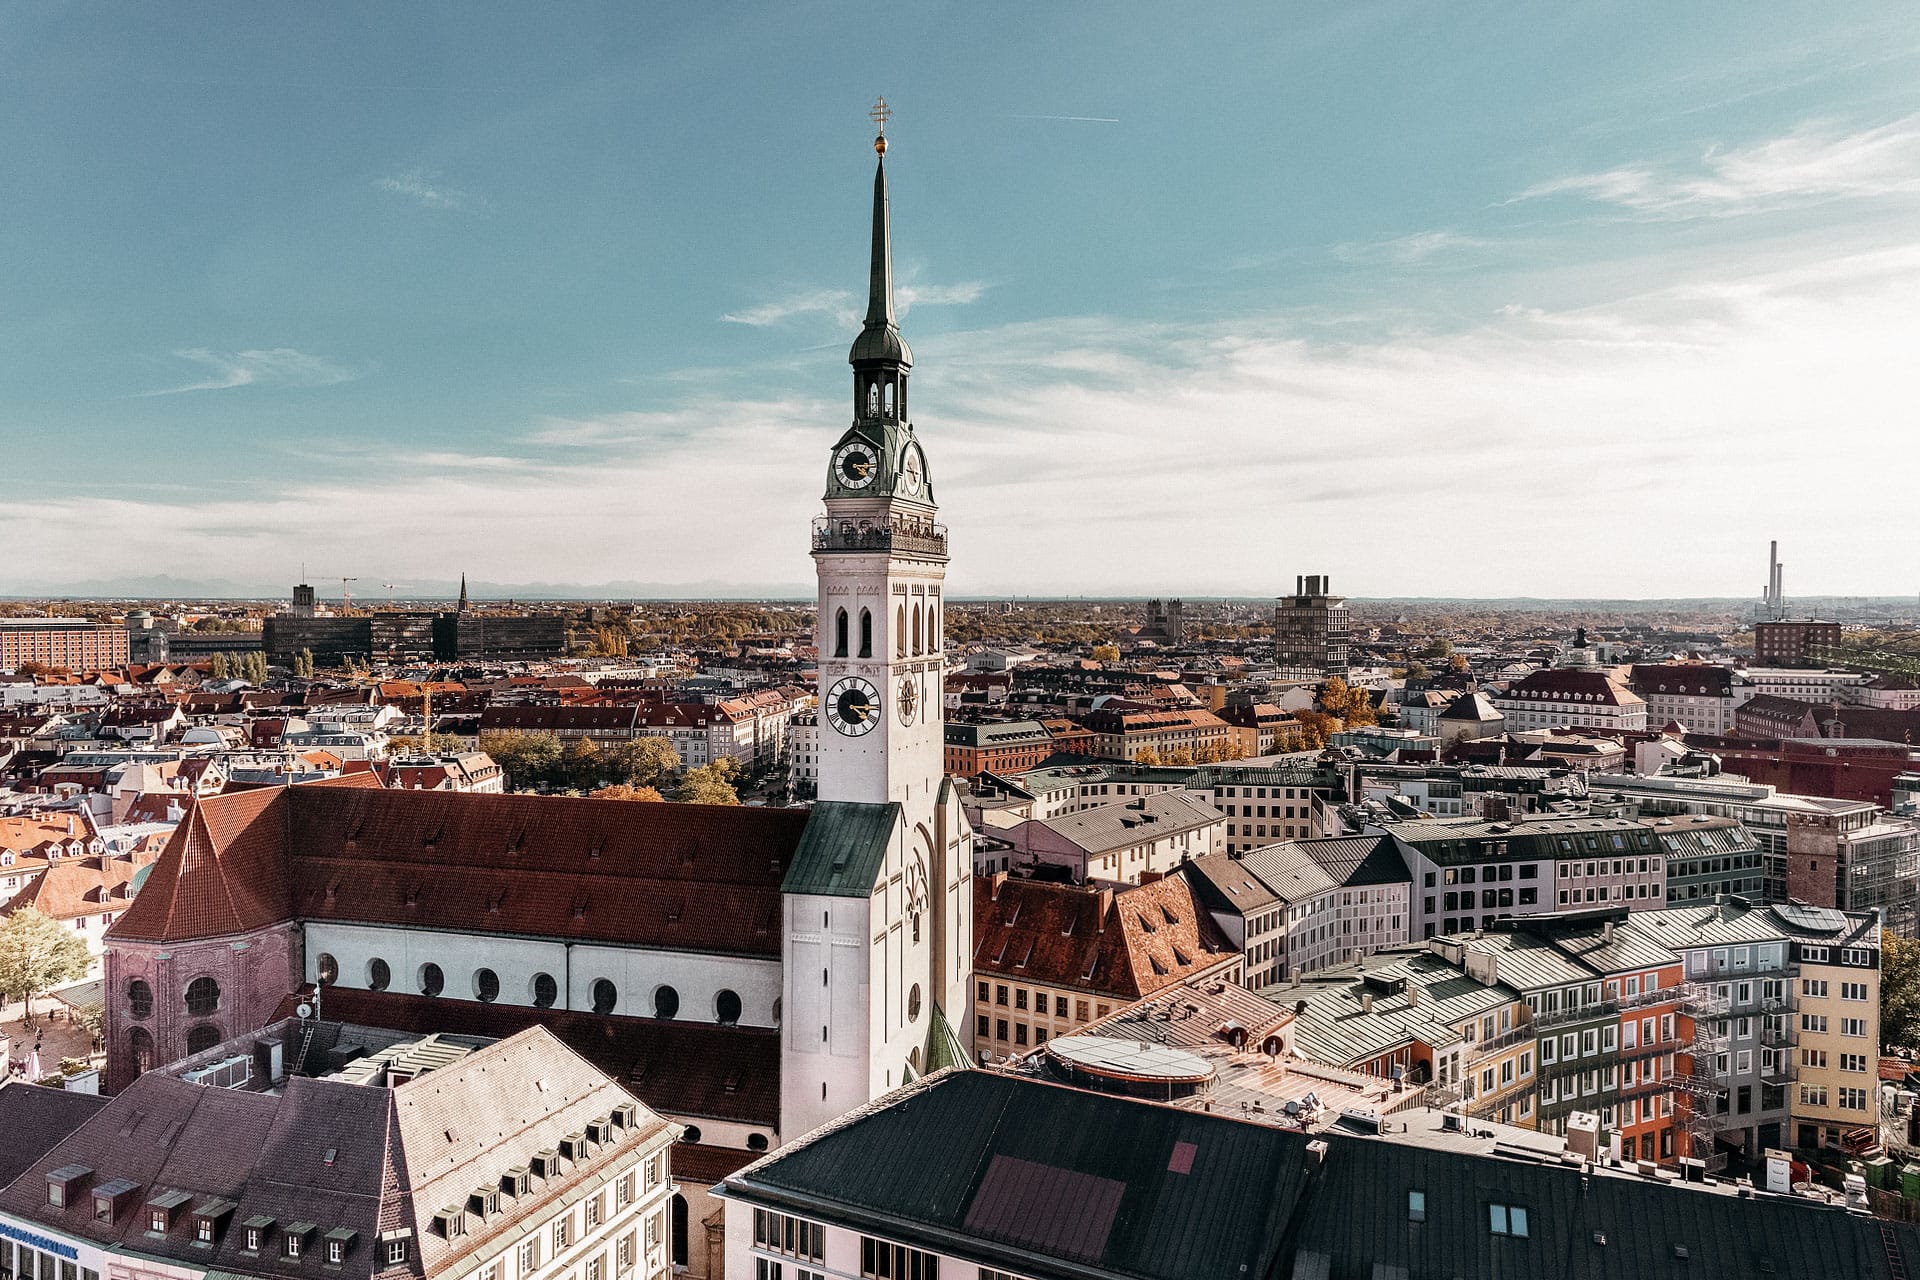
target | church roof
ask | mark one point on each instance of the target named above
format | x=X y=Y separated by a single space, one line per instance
x=680 y=876
x=842 y=849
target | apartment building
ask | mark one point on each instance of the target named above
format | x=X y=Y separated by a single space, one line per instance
x=1009 y=746
x=1556 y=697
x=1049 y=958
x=1469 y=873
x=76 y=644
x=508 y=1160
x=1157 y=735
x=1303 y=905
x=1121 y=842
x=1699 y=695
x=1709 y=856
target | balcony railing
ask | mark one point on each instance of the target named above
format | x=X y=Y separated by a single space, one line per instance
x=1479 y=1049
x=1488 y=1103
x=1584 y=1013
x=918 y=537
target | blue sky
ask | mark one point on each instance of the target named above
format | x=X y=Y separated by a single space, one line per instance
x=1438 y=299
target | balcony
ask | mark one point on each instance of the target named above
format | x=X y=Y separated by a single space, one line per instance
x=902 y=533
x=1480 y=1049
x=1584 y=1013
x=1488 y=1103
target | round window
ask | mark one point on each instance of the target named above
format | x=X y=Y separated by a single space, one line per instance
x=432 y=981
x=726 y=1007
x=913 y=1003
x=691 y=1133
x=379 y=976
x=545 y=991
x=329 y=970
x=605 y=995
x=666 y=1002
x=486 y=986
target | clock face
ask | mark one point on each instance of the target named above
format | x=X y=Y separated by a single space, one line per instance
x=909 y=699
x=913 y=471
x=853 y=706
x=856 y=465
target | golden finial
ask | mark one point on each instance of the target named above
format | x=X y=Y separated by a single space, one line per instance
x=880 y=114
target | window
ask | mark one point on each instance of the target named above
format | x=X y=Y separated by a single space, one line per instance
x=529 y=1256
x=795 y=1237
x=726 y=1008
x=1815 y=987
x=1416 y=1206
x=562 y=1232
x=396 y=1252
x=379 y=976
x=880 y=1260
x=765 y=1269
x=139 y=999
x=203 y=997
x=1853 y=991
x=432 y=981
x=1853 y=1026
x=1507 y=1220
x=293 y=1243
x=1813 y=1022
x=604 y=995
x=666 y=1002
x=337 y=1251
x=486 y=986
x=594 y=1204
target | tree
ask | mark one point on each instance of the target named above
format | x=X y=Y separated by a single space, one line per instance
x=1180 y=757
x=529 y=760
x=303 y=664
x=255 y=665
x=1417 y=670
x=641 y=762
x=1316 y=727
x=1147 y=755
x=584 y=767
x=435 y=744
x=217 y=666
x=1899 y=992
x=1437 y=649
x=709 y=784
x=1106 y=653
x=621 y=791
x=1457 y=661
x=36 y=955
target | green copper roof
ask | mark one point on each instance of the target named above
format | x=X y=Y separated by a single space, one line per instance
x=880 y=336
x=943 y=1046
x=842 y=849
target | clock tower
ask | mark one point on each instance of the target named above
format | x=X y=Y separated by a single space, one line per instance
x=881 y=559
x=879 y=901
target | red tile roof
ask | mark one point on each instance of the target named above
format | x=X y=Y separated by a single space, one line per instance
x=1126 y=944
x=686 y=877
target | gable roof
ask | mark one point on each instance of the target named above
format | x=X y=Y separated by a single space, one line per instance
x=35 y=1120
x=1127 y=944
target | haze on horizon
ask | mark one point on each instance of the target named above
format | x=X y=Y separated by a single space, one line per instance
x=1584 y=303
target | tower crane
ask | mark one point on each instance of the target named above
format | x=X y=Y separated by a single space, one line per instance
x=346 y=598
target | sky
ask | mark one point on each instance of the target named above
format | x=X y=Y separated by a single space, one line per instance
x=1437 y=299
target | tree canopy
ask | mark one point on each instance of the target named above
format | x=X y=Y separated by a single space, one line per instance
x=36 y=955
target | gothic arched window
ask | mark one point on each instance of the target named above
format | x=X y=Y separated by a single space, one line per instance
x=866 y=634
x=900 y=631
x=840 y=634
x=916 y=630
x=889 y=399
x=873 y=398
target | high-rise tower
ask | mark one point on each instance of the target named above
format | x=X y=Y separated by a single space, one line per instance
x=879 y=945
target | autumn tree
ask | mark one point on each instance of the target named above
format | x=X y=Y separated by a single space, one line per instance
x=1180 y=757
x=1316 y=727
x=218 y=667
x=623 y=791
x=528 y=760
x=1147 y=755
x=1899 y=992
x=37 y=955
x=1458 y=662
x=582 y=765
x=709 y=783
x=1106 y=653
x=641 y=762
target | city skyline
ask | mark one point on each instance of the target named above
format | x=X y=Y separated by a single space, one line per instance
x=567 y=304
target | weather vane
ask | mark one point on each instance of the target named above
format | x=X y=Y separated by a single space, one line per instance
x=880 y=114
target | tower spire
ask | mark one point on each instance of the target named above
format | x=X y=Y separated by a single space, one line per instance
x=463 y=591
x=880 y=334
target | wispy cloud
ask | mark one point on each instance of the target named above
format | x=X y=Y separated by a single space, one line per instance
x=426 y=189
x=1411 y=250
x=270 y=367
x=844 y=308
x=1817 y=161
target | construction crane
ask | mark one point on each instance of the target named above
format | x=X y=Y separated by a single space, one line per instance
x=389 y=587
x=346 y=598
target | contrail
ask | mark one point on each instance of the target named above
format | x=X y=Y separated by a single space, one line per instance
x=1075 y=119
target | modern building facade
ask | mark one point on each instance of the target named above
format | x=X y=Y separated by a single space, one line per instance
x=1311 y=632
x=74 y=644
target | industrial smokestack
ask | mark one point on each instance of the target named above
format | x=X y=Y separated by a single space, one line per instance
x=1773 y=576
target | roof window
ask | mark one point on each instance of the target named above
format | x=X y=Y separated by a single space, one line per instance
x=66 y=1182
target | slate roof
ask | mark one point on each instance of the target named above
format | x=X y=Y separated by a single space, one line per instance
x=1579 y=1227
x=1107 y=827
x=1034 y=1172
x=35 y=1120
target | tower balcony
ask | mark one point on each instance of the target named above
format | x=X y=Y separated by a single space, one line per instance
x=900 y=533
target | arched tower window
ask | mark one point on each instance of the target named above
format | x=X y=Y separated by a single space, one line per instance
x=903 y=397
x=889 y=399
x=873 y=399
x=866 y=634
x=840 y=634
x=933 y=626
x=900 y=631
x=140 y=1045
x=916 y=630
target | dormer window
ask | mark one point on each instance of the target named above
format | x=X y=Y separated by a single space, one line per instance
x=450 y=1223
x=574 y=1146
x=625 y=1114
x=65 y=1183
x=546 y=1164
x=484 y=1203
x=110 y=1197
x=209 y=1216
x=163 y=1208
x=253 y=1232
x=599 y=1130
x=339 y=1244
x=514 y=1181
x=294 y=1243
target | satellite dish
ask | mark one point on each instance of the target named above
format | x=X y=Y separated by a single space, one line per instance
x=304 y=1010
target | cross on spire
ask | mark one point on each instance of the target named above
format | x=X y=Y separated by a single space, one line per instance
x=880 y=114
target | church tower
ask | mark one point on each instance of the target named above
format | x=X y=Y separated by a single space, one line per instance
x=890 y=942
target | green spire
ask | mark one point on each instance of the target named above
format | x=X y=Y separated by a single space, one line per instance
x=880 y=338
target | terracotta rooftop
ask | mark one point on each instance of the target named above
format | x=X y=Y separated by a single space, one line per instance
x=1128 y=943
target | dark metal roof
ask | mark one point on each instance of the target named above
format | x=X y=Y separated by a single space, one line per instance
x=1031 y=1171
x=1358 y=1220
x=842 y=849
x=35 y=1120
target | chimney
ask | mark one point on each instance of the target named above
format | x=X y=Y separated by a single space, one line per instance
x=1299 y=584
x=1366 y=1002
x=995 y=881
x=1105 y=904
x=1413 y=994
